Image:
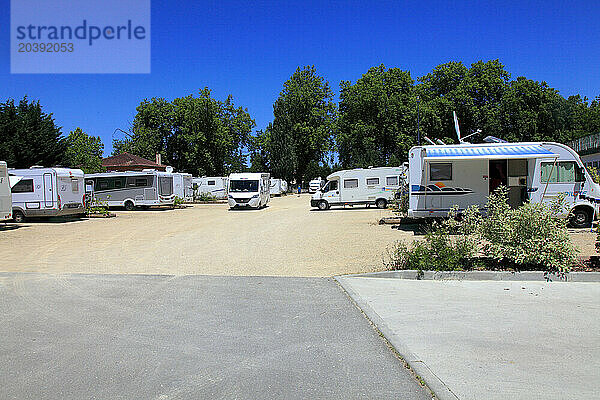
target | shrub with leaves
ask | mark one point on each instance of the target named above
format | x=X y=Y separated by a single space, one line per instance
x=438 y=251
x=530 y=236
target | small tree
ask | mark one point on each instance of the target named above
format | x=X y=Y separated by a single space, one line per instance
x=84 y=151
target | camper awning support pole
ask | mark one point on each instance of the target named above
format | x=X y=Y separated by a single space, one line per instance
x=548 y=181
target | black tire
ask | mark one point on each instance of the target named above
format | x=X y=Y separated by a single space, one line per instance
x=323 y=205
x=580 y=218
x=129 y=206
x=381 y=203
x=18 y=216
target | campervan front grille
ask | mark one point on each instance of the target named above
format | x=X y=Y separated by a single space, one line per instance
x=242 y=200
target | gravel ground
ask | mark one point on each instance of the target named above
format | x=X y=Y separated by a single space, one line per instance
x=285 y=239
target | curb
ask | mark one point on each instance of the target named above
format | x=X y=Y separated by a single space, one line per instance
x=435 y=384
x=483 y=276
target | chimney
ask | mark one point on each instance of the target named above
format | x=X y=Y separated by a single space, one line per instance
x=158 y=159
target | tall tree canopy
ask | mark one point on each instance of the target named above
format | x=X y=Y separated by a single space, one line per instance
x=377 y=121
x=302 y=128
x=29 y=136
x=199 y=135
x=84 y=151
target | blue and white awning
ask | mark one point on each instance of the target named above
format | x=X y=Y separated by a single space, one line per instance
x=497 y=151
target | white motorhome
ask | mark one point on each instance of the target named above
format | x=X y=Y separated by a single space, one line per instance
x=45 y=192
x=215 y=186
x=248 y=190
x=5 y=194
x=182 y=186
x=315 y=185
x=132 y=189
x=277 y=187
x=369 y=186
x=443 y=176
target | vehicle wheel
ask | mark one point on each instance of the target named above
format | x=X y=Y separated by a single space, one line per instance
x=129 y=206
x=381 y=203
x=580 y=218
x=18 y=216
x=323 y=205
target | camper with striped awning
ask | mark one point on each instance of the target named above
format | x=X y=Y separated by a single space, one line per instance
x=442 y=176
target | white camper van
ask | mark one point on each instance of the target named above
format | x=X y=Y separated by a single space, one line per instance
x=182 y=186
x=443 y=176
x=368 y=186
x=215 y=186
x=133 y=188
x=277 y=187
x=248 y=190
x=315 y=185
x=5 y=194
x=45 y=192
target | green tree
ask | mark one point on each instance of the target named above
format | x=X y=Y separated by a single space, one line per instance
x=84 y=151
x=199 y=135
x=377 y=118
x=29 y=136
x=532 y=111
x=302 y=128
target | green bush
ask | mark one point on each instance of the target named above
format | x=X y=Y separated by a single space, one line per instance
x=96 y=206
x=438 y=251
x=206 y=197
x=528 y=237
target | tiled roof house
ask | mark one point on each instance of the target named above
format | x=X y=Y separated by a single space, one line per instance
x=130 y=162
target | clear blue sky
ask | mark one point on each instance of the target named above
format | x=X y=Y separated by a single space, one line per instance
x=248 y=49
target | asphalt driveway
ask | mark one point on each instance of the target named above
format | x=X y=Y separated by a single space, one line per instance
x=190 y=337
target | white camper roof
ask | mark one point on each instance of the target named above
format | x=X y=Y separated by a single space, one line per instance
x=248 y=175
x=487 y=151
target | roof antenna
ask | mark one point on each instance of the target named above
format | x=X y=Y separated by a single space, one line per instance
x=429 y=140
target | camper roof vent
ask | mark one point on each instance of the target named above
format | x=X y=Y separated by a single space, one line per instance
x=494 y=139
x=36 y=167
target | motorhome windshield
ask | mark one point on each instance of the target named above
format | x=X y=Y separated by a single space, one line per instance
x=243 y=186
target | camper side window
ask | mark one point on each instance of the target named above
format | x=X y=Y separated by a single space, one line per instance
x=212 y=183
x=440 y=171
x=350 y=183
x=561 y=172
x=372 y=181
x=391 y=181
x=23 y=186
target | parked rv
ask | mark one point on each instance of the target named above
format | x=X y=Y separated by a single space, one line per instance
x=315 y=185
x=443 y=176
x=182 y=186
x=45 y=192
x=248 y=190
x=277 y=187
x=215 y=186
x=369 y=186
x=5 y=194
x=132 y=189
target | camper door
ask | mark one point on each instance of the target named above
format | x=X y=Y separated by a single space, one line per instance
x=48 y=191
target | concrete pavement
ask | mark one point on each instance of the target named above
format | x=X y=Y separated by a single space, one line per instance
x=190 y=337
x=490 y=340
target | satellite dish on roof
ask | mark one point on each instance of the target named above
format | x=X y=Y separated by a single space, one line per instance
x=461 y=140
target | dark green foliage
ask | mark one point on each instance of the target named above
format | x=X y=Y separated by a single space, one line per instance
x=302 y=129
x=377 y=121
x=199 y=135
x=84 y=152
x=28 y=136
